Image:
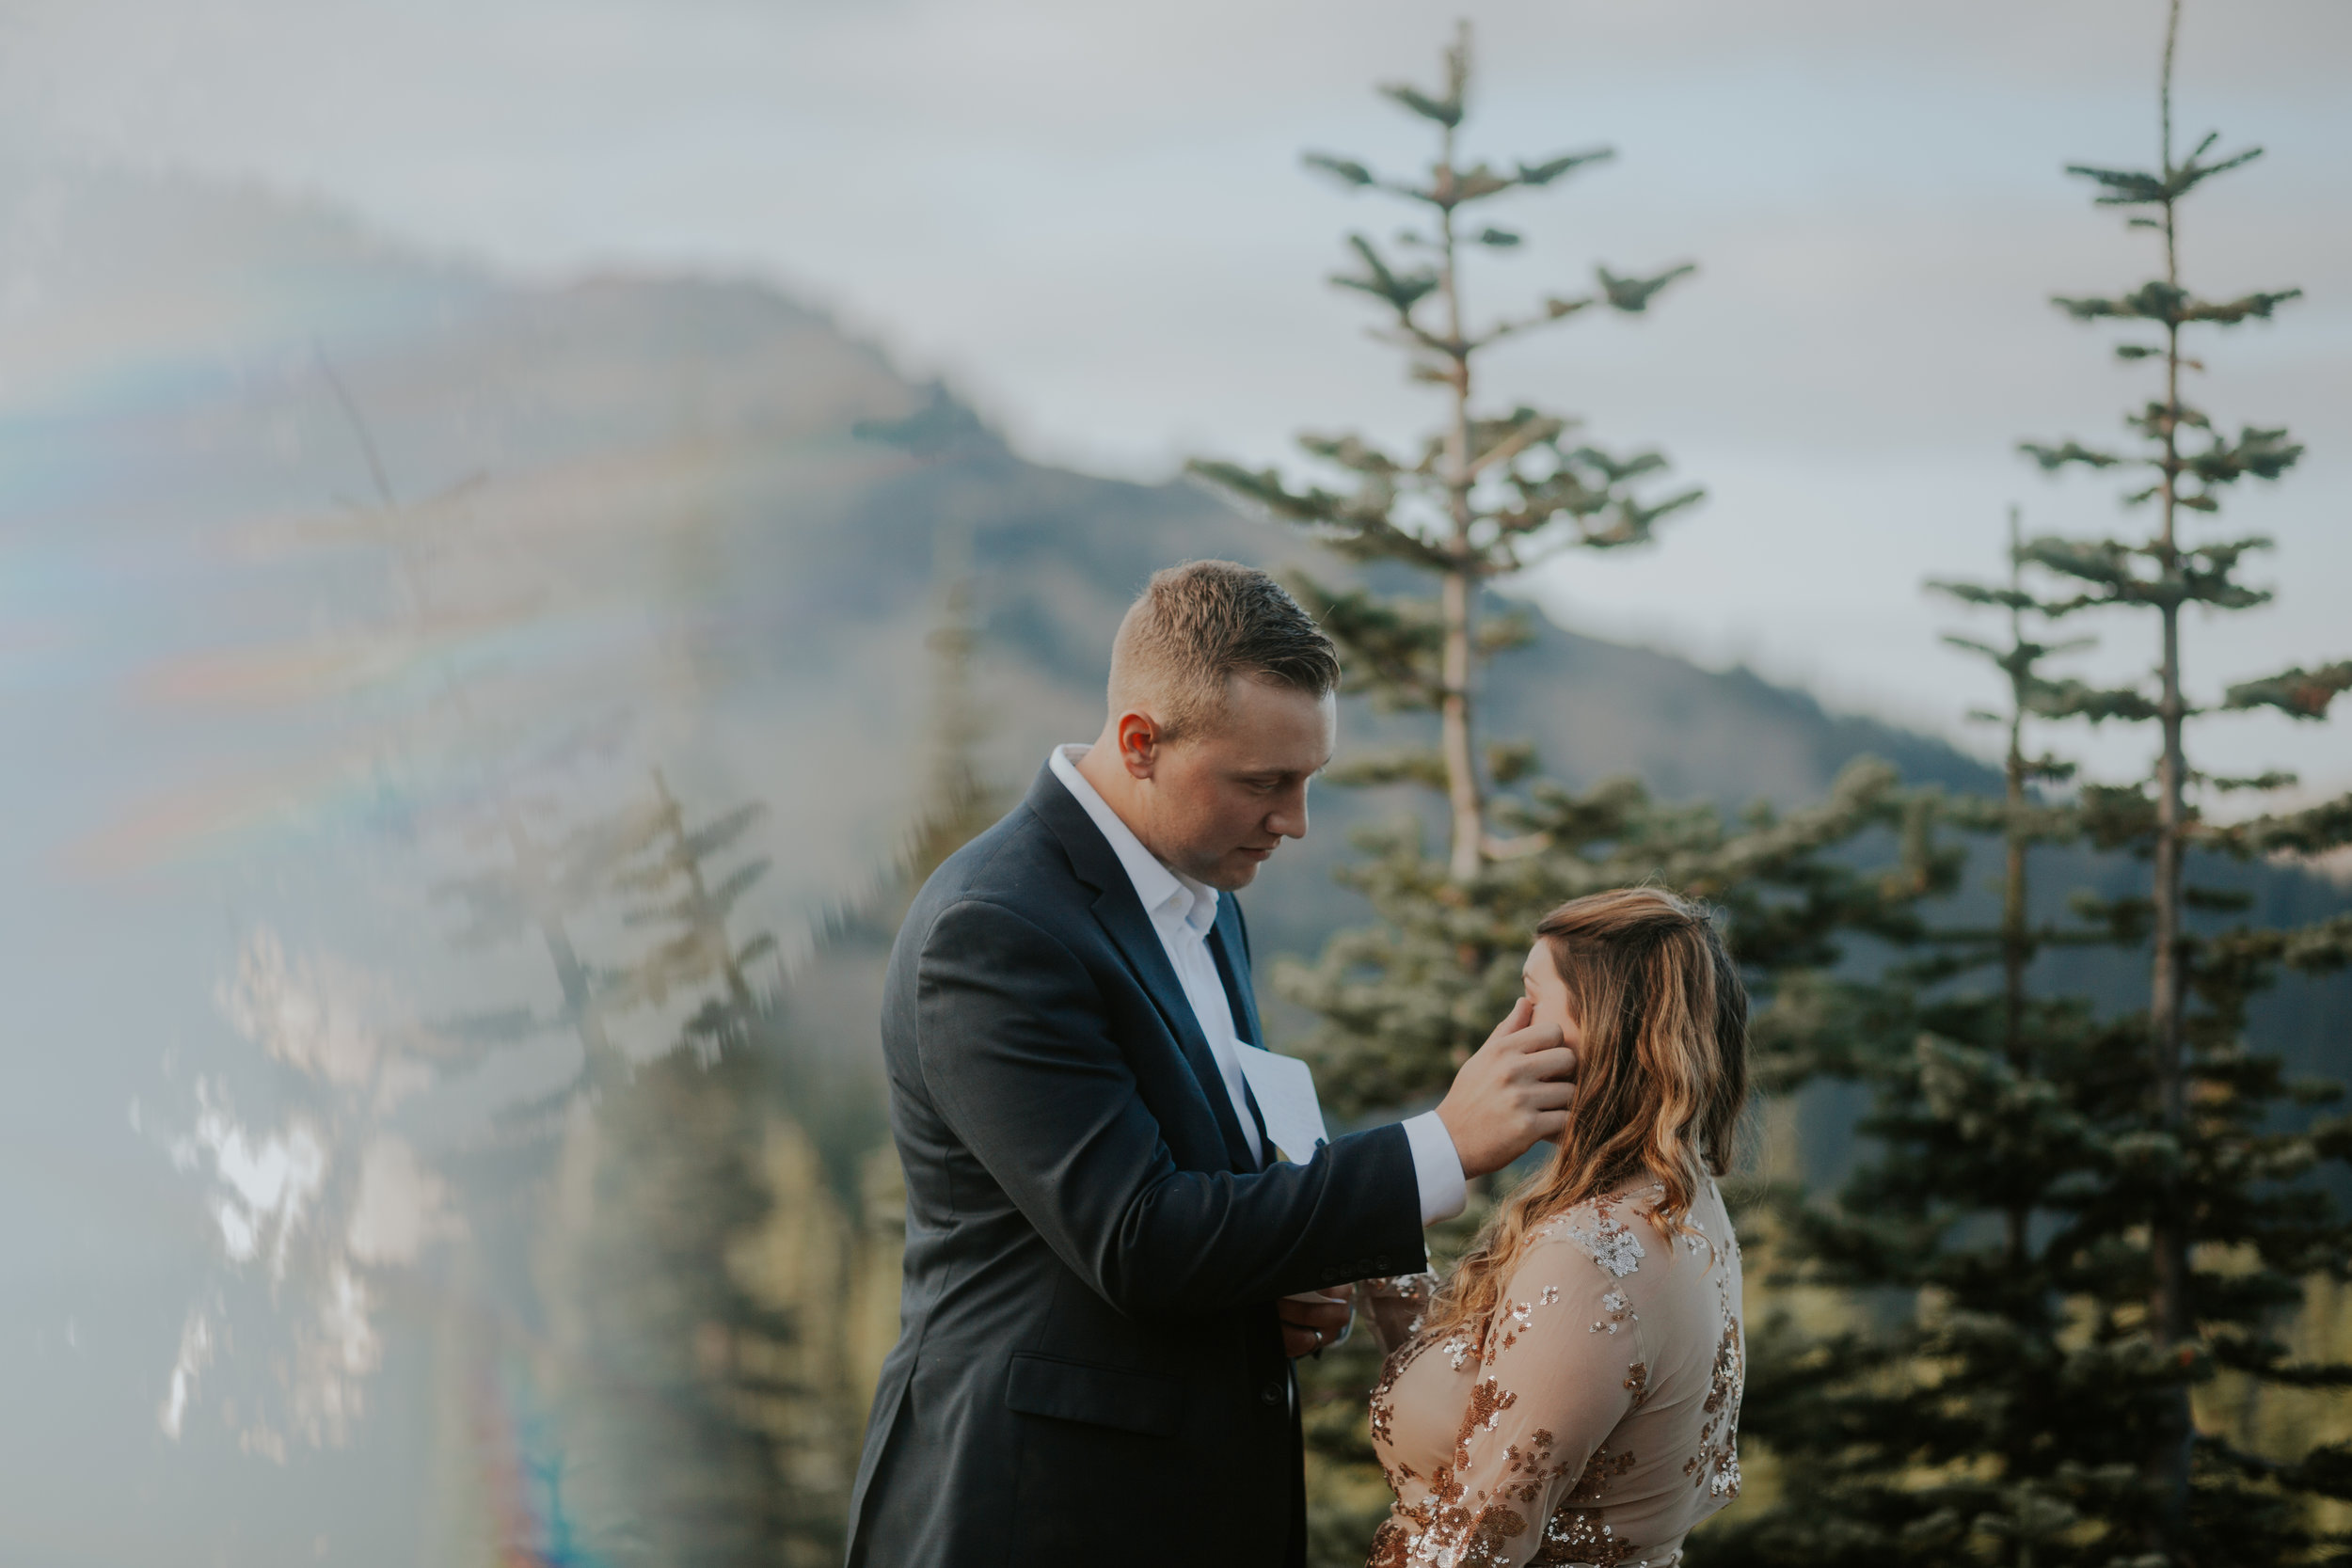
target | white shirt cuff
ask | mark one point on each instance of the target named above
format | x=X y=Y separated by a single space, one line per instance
x=1436 y=1167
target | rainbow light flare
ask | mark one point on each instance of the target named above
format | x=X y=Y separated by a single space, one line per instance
x=521 y=1469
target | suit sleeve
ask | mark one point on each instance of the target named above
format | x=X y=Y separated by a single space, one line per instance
x=1016 y=1052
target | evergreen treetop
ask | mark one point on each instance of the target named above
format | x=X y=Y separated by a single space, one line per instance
x=1490 y=492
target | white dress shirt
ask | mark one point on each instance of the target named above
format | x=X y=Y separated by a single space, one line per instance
x=1181 y=911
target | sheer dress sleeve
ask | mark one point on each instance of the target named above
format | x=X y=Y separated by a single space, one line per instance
x=1394 y=1306
x=1562 y=1363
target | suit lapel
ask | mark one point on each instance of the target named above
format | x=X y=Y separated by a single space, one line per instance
x=1120 y=915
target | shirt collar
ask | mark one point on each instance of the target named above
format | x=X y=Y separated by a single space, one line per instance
x=1160 y=888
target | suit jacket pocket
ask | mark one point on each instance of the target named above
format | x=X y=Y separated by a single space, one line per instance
x=1144 y=1403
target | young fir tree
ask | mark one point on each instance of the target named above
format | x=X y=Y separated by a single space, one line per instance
x=958 y=800
x=2085 y=1217
x=2194 y=1191
x=1491 y=493
x=1402 y=1003
x=667 y=862
x=676 y=1382
x=1962 y=1414
x=1489 y=496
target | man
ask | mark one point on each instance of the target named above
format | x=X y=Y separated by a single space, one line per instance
x=1093 y=1361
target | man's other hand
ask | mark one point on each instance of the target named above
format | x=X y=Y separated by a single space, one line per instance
x=1307 y=1326
x=1511 y=1095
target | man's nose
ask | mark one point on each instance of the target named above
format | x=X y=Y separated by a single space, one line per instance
x=1289 y=816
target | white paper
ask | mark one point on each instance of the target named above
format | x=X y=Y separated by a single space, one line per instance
x=1285 y=1091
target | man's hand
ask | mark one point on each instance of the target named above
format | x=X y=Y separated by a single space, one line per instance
x=1307 y=1326
x=1512 y=1095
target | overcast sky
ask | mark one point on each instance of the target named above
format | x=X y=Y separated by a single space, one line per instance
x=1091 y=219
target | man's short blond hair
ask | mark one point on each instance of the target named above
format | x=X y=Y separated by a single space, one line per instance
x=1196 y=627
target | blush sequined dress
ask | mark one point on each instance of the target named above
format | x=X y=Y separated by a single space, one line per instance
x=1592 y=1422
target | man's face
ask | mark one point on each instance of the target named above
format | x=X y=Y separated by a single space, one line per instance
x=1219 y=800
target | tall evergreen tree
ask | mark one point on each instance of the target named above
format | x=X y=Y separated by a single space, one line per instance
x=669 y=864
x=679 y=1387
x=540 y=890
x=1491 y=492
x=1401 y=1002
x=2076 y=1218
x=696 y=1268
x=1405 y=1001
x=958 y=800
x=2188 y=463
x=1962 y=1413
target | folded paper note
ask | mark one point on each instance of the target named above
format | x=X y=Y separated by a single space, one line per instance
x=1285 y=1092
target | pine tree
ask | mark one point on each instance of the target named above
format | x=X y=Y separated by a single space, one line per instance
x=665 y=862
x=824 y=1261
x=540 y=891
x=1958 y=1414
x=1989 y=1397
x=675 y=1389
x=2188 y=463
x=2077 y=1218
x=1490 y=494
x=959 y=801
x=644 y=851
x=1401 y=1002
x=697 y=1272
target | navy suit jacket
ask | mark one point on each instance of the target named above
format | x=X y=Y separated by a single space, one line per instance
x=1088 y=1367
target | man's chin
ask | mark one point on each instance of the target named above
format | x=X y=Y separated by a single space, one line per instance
x=1232 y=876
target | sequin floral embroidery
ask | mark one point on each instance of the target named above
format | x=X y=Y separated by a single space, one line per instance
x=1591 y=1420
x=1610 y=1241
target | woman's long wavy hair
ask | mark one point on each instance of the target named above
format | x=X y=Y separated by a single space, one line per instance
x=1662 y=1076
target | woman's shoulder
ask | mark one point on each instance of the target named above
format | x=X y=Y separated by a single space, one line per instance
x=1622 y=1230
x=1615 y=1230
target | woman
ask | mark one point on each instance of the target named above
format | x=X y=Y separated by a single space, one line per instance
x=1571 y=1395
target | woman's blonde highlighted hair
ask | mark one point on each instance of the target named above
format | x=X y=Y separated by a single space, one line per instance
x=1662 y=1076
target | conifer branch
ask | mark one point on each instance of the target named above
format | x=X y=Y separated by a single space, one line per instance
x=2297 y=693
x=2312 y=830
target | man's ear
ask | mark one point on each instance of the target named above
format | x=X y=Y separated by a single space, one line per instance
x=1138 y=743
